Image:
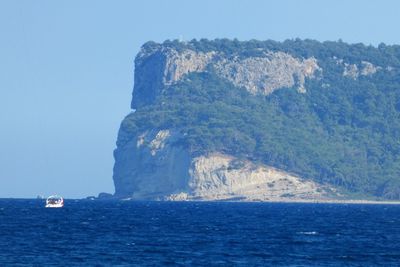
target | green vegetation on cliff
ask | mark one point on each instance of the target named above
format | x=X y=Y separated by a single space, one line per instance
x=344 y=131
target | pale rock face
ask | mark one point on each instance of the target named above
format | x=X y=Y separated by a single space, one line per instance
x=263 y=75
x=152 y=166
x=179 y=64
x=351 y=70
x=158 y=142
x=354 y=71
x=219 y=176
x=368 y=68
x=161 y=67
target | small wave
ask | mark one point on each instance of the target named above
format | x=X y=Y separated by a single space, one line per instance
x=308 y=233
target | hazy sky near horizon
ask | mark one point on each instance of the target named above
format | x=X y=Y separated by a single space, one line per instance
x=66 y=71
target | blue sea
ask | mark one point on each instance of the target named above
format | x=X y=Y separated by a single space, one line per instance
x=128 y=233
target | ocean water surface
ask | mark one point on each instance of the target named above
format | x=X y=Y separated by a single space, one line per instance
x=127 y=233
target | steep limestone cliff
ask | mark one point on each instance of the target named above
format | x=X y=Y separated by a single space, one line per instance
x=158 y=67
x=266 y=121
x=152 y=166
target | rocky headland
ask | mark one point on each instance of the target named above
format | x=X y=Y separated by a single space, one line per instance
x=164 y=160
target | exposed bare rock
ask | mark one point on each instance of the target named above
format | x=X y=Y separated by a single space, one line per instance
x=219 y=176
x=149 y=166
x=160 y=67
x=154 y=143
x=152 y=166
x=351 y=70
x=265 y=74
x=158 y=142
x=181 y=63
x=354 y=71
x=368 y=68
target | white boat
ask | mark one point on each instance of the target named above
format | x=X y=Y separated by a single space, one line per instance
x=54 y=201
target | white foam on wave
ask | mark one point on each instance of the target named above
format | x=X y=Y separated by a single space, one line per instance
x=308 y=233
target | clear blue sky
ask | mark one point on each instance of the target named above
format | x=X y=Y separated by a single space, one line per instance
x=66 y=71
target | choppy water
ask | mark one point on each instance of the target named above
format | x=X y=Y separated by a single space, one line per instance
x=90 y=233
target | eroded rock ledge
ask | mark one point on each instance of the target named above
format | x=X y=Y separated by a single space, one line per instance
x=258 y=75
x=152 y=167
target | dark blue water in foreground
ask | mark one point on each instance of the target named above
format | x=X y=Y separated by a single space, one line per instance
x=87 y=233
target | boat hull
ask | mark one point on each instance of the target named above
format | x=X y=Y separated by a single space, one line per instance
x=54 y=205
